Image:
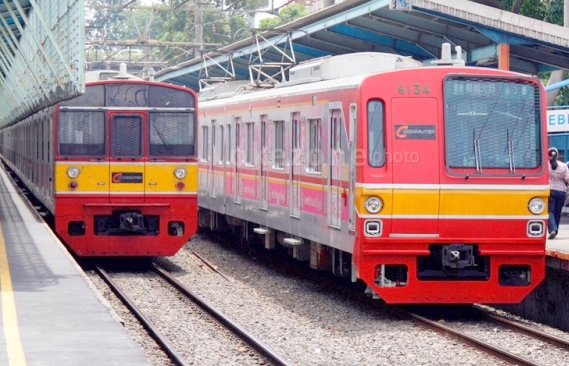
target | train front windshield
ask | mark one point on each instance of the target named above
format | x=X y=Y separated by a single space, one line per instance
x=492 y=123
x=170 y=122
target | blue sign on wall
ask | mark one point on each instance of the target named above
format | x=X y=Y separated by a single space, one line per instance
x=558 y=120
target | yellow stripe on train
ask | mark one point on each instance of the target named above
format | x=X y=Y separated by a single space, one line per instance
x=96 y=176
x=451 y=202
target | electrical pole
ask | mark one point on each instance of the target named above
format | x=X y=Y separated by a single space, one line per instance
x=198 y=24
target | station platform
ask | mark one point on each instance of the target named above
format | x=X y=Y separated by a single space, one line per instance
x=557 y=250
x=51 y=313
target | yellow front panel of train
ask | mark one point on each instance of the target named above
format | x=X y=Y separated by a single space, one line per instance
x=93 y=177
x=160 y=177
x=125 y=179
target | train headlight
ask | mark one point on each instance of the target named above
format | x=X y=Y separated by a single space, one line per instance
x=373 y=204
x=73 y=172
x=180 y=172
x=536 y=205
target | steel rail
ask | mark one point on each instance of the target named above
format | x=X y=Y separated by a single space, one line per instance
x=146 y=323
x=487 y=348
x=207 y=263
x=521 y=328
x=272 y=356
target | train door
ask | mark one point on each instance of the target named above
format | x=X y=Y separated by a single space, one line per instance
x=265 y=158
x=295 y=166
x=127 y=157
x=211 y=164
x=415 y=164
x=335 y=168
x=238 y=162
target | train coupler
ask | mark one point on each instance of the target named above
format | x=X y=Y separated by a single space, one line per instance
x=131 y=222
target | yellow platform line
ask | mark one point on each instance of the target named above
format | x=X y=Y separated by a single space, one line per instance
x=14 y=348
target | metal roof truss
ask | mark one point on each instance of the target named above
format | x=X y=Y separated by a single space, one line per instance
x=41 y=55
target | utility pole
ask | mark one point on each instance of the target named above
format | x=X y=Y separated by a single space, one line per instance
x=198 y=24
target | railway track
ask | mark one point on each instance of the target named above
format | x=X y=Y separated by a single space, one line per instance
x=270 y=355
x=454 y=332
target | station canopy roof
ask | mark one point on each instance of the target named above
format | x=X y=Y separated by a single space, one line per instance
x=41 y=53
x=414 y=28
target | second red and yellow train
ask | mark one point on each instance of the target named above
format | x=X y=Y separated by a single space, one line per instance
x=428 y=184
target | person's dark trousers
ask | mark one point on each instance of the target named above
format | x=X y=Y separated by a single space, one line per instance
x=556 y=202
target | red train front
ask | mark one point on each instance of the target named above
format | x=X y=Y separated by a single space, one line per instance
x=116 y=167
x=461 y=199
x=427 y=183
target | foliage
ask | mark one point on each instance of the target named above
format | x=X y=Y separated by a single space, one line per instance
x=285 y=15
x=547 y=10
x=167 y=26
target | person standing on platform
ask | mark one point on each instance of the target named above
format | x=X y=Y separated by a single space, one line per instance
x=558 y=181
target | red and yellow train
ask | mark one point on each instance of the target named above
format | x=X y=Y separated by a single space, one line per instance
x=116 y=166
x=429 y=184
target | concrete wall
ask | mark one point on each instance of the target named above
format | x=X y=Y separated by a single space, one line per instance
x=549 y=303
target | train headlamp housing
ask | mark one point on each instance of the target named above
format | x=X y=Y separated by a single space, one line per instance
x=73 y=172
x=180 y=172
x=536 y=205
x=373 y=204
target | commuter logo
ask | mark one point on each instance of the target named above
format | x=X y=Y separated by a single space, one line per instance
x=415 y=132
x=127 y=178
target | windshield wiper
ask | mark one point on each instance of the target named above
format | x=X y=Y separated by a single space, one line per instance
x=511 y=157
x=477 y=155
x=162 y=138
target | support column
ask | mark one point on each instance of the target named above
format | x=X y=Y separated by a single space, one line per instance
x=504 y=56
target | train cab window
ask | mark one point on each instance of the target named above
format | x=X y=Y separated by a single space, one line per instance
x=94 y=96
x=81 y=133
x=126 y=139
x=278 y=146
x=126 y=95
x=315 y=145
x=250 y=143
x=376 y=136
x=492 y=123
x=163 y=97
x=171 y=134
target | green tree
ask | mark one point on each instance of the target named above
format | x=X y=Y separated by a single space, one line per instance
x=285 y=15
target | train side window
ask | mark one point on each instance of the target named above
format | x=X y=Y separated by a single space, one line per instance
x=296 y=132
x=315 y=145
x=376 y=133
x=250 y=143
x=229 y=146
x=221 y=145
x=171 y=134
x=205 y=138
x=278 y=146
x=81 y=133
x=126 y=140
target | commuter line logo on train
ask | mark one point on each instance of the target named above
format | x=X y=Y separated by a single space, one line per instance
x=415 y=132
